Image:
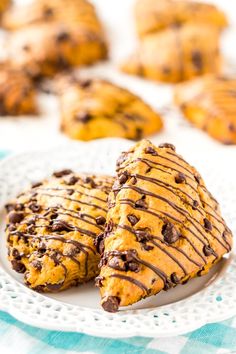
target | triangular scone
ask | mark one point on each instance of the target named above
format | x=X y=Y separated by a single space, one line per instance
x=51 y=230
x=163 y=227
x=155 y=15
x=209 y=103
x=176 y=54
x=92 y=109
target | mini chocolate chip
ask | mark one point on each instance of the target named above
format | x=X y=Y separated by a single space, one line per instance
x=109 y=226
x=15 y=217
x=111 y=304
x=11 y=228
x=207 y=250
x=62 y=173
x=139 y=133
x=141 y=204
x=35 y=207
x=207 y=224
x=36 y=264
x=133 y=267
x=117 y=263
x=72 y=181
x=132 y=219
x=232 y=127
x=53 y=216
x=121 y=158
x=185 y=281
x=133 y=180
x=123 y=178
x=167 y=145
x=142 y=235
x=148 y=170
x=26 y=48
x=60 y=225
x=99 y=243
x=88 y=179
x=180 y=178
x=16 y=254
x=54 y=287
x=85 y=83
x=18 y=266
x=63 y=36
x=197 y=60
x=174 y=278
x=167 y=285
x=48 y=12
x=170 y=233
x=99 y=281
x=100 y=220
x=195 y=204
x=70 y=191
x=9 y=207
x=37 y=184
x=150 y=150
x=148 y=247
x=83 y=117
x=153 y=281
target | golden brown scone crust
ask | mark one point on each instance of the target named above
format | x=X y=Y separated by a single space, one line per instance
x=176 y=54
x=209 y=103
x=155 y=15
x=97 y=108
x=4 y=4
x=78 y=12
x=51 y=230
x=163 y=226
x=17 y=93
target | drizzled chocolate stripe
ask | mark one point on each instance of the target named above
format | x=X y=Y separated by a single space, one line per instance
x=131 y=203
x=74 y=200
x=76 y=191
x=131 y=280
x=177 y=208
x=126 y=227
x=73 y=228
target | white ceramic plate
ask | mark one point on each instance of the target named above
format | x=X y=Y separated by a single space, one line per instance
x=202 y=300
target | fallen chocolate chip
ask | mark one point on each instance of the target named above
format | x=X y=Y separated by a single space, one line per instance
x=63 y=36
x=150 y=150
x=117 y=263
x=36 y=264
x=37 y=184
x=141 y=204
x=15 y=217
x=83 y=117
x=207 y=250
x=170 y=233
x=195 y=204
x=180 y=178
x=174 y=278
x=99 y=281
x=123 y=178
x=60 y=225
x=167 y=145
x=62 y=173
x=35 y=207
x=132 y=219
x=197 y=60
x=111 y=304
x=207 y=224
x=100 y=220
x=72 y=181
x=18 y=266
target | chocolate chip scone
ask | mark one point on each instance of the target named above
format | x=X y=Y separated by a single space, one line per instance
x=17 y=93
x=209 y=104
x=97 y=108
x=177 y=54
x=163 y=227
x=4 y=4
x=155 y=15
x=51 y=230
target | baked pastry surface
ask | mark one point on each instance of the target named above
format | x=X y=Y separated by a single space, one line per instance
x=176 y=54
x=209 y=103
x=155 y=15
x=73 y=36
x=163 y=227
x=51 y=230
x=17 y=93
x=96 y=108
x=4 y=4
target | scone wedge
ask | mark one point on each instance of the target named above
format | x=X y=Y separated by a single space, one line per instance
x=163 y=227
x=51 y=229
